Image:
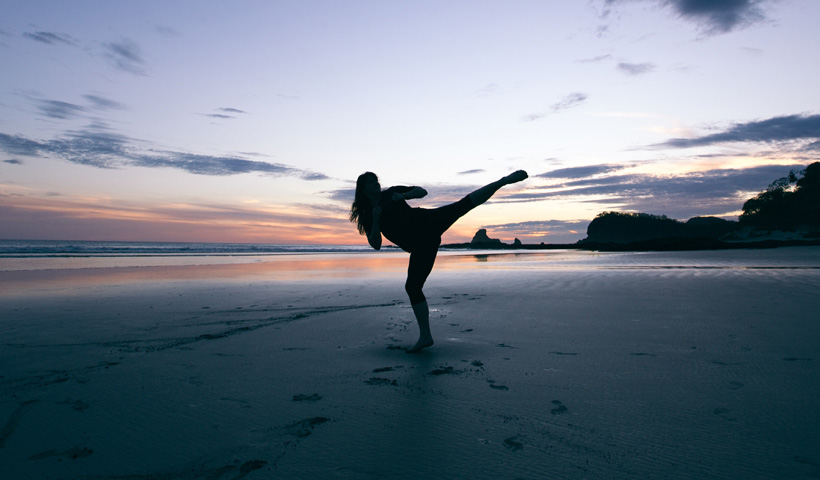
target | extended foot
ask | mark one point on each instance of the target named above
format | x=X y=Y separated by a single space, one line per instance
x=516 y=177
x=423 y=342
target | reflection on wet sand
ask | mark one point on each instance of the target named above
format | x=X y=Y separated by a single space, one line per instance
x=49 y=275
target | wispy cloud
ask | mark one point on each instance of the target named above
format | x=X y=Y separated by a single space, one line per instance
x=106 y=219
x=126 y=56
x=59 y=110
x=13 y=161
x=636 y=68
x=569 y=101
x=50 y=38
x=776 y=129
x=226 y=113
x=101 y=103
x=100 y=147
x=596 y=59
x=232 y=110
x=471 y=172
x=582 y=172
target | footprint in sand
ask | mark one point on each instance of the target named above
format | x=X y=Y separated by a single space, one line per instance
x=497 y=387
x=72 y=453
x=514 y=443
x=387 y=369
x=381 y=381
x=307 y=398
x=724 y=414
x=305 y=427
x=77 y=405
x=559 y=408
x=14 y=420
x=446 y=370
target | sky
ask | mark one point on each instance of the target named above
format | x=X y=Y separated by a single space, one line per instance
x=249 y=121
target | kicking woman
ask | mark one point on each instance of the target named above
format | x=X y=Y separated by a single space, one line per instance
x=416 y=230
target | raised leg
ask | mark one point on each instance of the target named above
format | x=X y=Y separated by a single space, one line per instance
x=484 y=193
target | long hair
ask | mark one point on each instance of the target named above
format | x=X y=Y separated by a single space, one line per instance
x=361 y=212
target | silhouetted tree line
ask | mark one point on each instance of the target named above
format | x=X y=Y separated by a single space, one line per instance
x=788 y=203
x=618 y=227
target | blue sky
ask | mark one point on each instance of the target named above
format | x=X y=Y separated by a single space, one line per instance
x=249 y=121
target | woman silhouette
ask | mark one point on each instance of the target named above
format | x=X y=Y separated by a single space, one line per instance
x=416 y=230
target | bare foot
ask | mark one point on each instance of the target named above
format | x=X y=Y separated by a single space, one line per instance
x=516 y=177
x=422 y=343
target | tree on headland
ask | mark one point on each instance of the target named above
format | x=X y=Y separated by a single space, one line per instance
x=788 y=203
x=621 y=227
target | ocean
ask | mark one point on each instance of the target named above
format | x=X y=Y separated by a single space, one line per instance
x=66 y=248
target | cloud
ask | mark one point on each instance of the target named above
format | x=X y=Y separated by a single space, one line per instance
x=470 y=172
x=636 y=68
x=597 y=59
x=228 y=113
x=582 y=172
x=99 y=147
x=550 y=231
x=232 y=110
x=775 y=129
x=711 y=192
x=13 y=161
x=533 y=117
x=49 y=38
x=713 y=17
x=58 y=109
x=716 y=17
x=102 y=103
x=570 y=101
x=33 y=216
x=126 y=56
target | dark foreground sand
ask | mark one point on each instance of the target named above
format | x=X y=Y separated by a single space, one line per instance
x=678 y=365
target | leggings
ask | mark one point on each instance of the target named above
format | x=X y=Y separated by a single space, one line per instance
x=423 y=256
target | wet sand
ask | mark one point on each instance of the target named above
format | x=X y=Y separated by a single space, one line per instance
x=675 y=365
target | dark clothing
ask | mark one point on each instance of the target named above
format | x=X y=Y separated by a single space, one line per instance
x=412 y=228
x=418 y=231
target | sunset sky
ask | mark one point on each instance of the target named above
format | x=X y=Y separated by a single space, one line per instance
x=249 y=121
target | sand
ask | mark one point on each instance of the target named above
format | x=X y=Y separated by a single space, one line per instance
x=547 y=365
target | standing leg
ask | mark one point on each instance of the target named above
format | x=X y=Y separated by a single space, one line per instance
x=484 y=193
x=421 y=264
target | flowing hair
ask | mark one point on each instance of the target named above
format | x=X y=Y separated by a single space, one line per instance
x=361 y=212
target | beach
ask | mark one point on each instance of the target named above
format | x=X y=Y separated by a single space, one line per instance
x=550 y=364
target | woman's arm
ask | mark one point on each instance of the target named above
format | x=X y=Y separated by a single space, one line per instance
x=374 y=236
x=415 y=192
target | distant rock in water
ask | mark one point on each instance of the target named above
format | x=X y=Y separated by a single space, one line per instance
x=481 y=237
x=516 y=243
